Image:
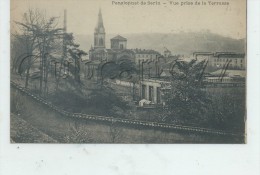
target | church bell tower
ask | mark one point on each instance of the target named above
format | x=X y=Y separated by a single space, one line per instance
x=99 y=34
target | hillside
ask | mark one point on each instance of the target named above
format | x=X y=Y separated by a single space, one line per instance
x=181 y=43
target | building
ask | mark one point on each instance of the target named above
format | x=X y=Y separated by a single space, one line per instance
x=232 y=60
x=118 y=50
x=152 y=89
x=220 y=60
x=144 y=55
x=118 y=43
x=167 y=53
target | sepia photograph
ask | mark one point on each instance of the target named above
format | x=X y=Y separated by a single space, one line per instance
x=132 y=72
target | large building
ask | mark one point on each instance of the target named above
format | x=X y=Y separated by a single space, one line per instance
x=219 y=60
x=118 y=50
x=144 y=55
x=233 y=61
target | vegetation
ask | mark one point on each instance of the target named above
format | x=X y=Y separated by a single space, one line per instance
x=186 y=98
x=40 y=42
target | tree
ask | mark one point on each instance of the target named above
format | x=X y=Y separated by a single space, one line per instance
x=38 y=34
x=26 y=40
x=75 y=55
x=105 y=101
x=45 y=42
x=186 y=97
x=18 y=50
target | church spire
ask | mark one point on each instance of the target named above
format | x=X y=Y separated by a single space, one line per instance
x=100 y=27
x=99 y=34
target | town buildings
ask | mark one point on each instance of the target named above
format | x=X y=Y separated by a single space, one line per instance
x=153 y=68
x=144 y=55
x=220 y=60
x=118 y=50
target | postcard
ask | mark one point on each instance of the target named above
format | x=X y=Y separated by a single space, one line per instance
x=85 y=71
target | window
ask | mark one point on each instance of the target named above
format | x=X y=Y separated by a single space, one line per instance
x=143 y=91
x=158 y=95
x=101 y=42
x=151 y=93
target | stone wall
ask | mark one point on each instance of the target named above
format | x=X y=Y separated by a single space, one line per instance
x=66 y=129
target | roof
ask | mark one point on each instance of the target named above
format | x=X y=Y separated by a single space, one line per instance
x=216 y=78
x=144 y=101
x=202 y=53
x=112 y=51
x=231 y=73
x=239 y=55
x=144 y=51
x=222 y=54
x=118 y=37
x=165 y=73
x=119 y=51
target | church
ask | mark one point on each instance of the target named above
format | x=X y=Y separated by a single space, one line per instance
x=118 y=48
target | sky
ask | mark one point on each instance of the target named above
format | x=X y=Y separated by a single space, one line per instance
x=82 y=16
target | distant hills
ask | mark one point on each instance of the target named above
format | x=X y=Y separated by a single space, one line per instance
x=181 y=43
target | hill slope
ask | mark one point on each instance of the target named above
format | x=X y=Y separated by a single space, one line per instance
x=181 y=43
